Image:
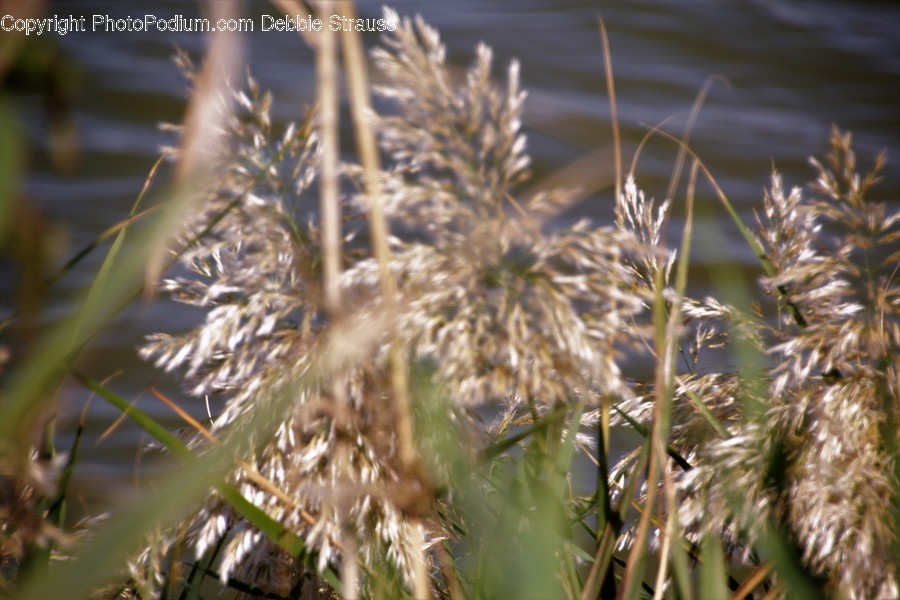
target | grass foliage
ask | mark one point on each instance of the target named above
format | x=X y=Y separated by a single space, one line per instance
x=411 y=415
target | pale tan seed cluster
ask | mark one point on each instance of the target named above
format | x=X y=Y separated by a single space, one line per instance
x=511 y=314
x=810 y=444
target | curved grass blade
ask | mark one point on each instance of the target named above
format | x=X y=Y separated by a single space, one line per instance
x=712 y=570
x=288 y=541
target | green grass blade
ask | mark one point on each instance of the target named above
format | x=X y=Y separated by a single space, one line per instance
x=681 y=572
x=57 y=511
x=707 y=414
x=672 y=452
x=496 y=449
x=561 y=474
x=32 y=386
x=291 y=543
x=566 y=450
x=799 y=582
x=602 y=494
x=142 y=419
x=713 y=578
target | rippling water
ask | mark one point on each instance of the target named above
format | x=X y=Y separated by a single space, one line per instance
x=786 y=71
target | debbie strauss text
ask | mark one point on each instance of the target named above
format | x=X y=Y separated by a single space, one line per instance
x=334 y=23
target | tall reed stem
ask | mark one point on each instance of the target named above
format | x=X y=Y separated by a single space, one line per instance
x=361 y=109
x=329 y=120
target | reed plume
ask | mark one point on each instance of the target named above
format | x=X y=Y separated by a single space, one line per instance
x=811 y=445
x=526 y=319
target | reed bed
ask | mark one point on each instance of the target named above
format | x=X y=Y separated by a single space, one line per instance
x=405 y=380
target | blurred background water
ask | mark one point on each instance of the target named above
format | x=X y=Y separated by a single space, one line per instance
x=788 y=69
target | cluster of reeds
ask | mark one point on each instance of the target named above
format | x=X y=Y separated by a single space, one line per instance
x=801 y=443
x=400 y=415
